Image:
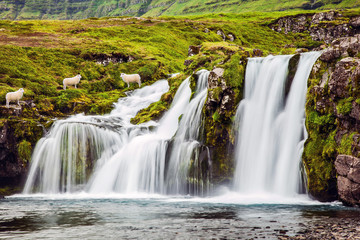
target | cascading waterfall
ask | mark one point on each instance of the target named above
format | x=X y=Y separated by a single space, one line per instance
x=186 y=147
x=105 y=154
x=64 y=159
x=140 y=165
x=271 y=126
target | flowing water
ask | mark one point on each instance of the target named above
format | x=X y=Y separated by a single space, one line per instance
x=109 y=154
x=271 y=126
x=95 y=177
x=159 y=217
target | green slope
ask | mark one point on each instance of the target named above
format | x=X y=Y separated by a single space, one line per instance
x=80 y=9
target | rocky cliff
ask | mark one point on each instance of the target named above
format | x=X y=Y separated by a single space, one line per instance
x=333 y=106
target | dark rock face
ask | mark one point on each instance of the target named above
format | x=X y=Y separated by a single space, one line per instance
x=12 y=168
x=324 y=26
x=220 y=102
x=19 y=133
x=223 y=101
x=333 y=121
x=348 y=181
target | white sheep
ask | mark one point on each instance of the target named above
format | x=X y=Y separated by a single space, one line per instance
x=71 y=81
x=131 y=78
x=14 y=96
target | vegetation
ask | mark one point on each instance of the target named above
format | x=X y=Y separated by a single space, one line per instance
x=37 y=55
x=80 y=9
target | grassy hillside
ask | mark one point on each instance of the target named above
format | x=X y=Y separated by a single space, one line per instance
x=37 y=55
x=81 y=9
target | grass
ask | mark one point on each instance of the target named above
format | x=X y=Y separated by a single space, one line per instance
x=38 y=55
x=20 y=10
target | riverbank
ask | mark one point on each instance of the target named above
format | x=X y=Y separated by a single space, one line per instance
x=333 y=226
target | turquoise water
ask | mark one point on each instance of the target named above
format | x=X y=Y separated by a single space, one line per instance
x=158 y=217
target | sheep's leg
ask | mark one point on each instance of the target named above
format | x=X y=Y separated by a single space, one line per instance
x=7 y=103
x=18 y=103
x=64 y=87
x=128 y=85
x=75 y=85
x=139 y=84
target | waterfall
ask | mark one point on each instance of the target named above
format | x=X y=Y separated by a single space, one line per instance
x=185 y=151
x=63 y=161
x=271 y=126
x=141 y=164
x=106 y=154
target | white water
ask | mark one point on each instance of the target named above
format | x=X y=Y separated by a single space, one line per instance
x=271 y=131
x=186 y=144
x=62 y=160
x=108 y=154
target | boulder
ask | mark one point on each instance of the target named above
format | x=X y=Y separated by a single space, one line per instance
x=194 y=50
x=348 y=181
x=355 y=22
x=339 y=80
x=222 y=34
x=257 y=53
x=231 y=37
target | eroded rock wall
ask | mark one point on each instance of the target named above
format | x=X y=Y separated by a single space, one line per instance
x=333 y=117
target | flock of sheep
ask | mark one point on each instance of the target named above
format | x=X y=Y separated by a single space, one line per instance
x=16 y=96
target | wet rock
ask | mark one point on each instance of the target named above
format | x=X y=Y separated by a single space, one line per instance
x=194 y=50
x=10 y=166
x=348 y=181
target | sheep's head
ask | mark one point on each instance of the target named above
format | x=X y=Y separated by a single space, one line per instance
x=122 y=74
x=21 y=90
x=79 y=76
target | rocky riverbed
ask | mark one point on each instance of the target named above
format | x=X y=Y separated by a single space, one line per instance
x=328 y=227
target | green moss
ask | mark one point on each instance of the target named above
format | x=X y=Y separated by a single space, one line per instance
x=320 y=123
x=155 y=110
x=216 y=117
x=25 y=150
x=235 y=71
x=344 y=106
x=346 y=143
